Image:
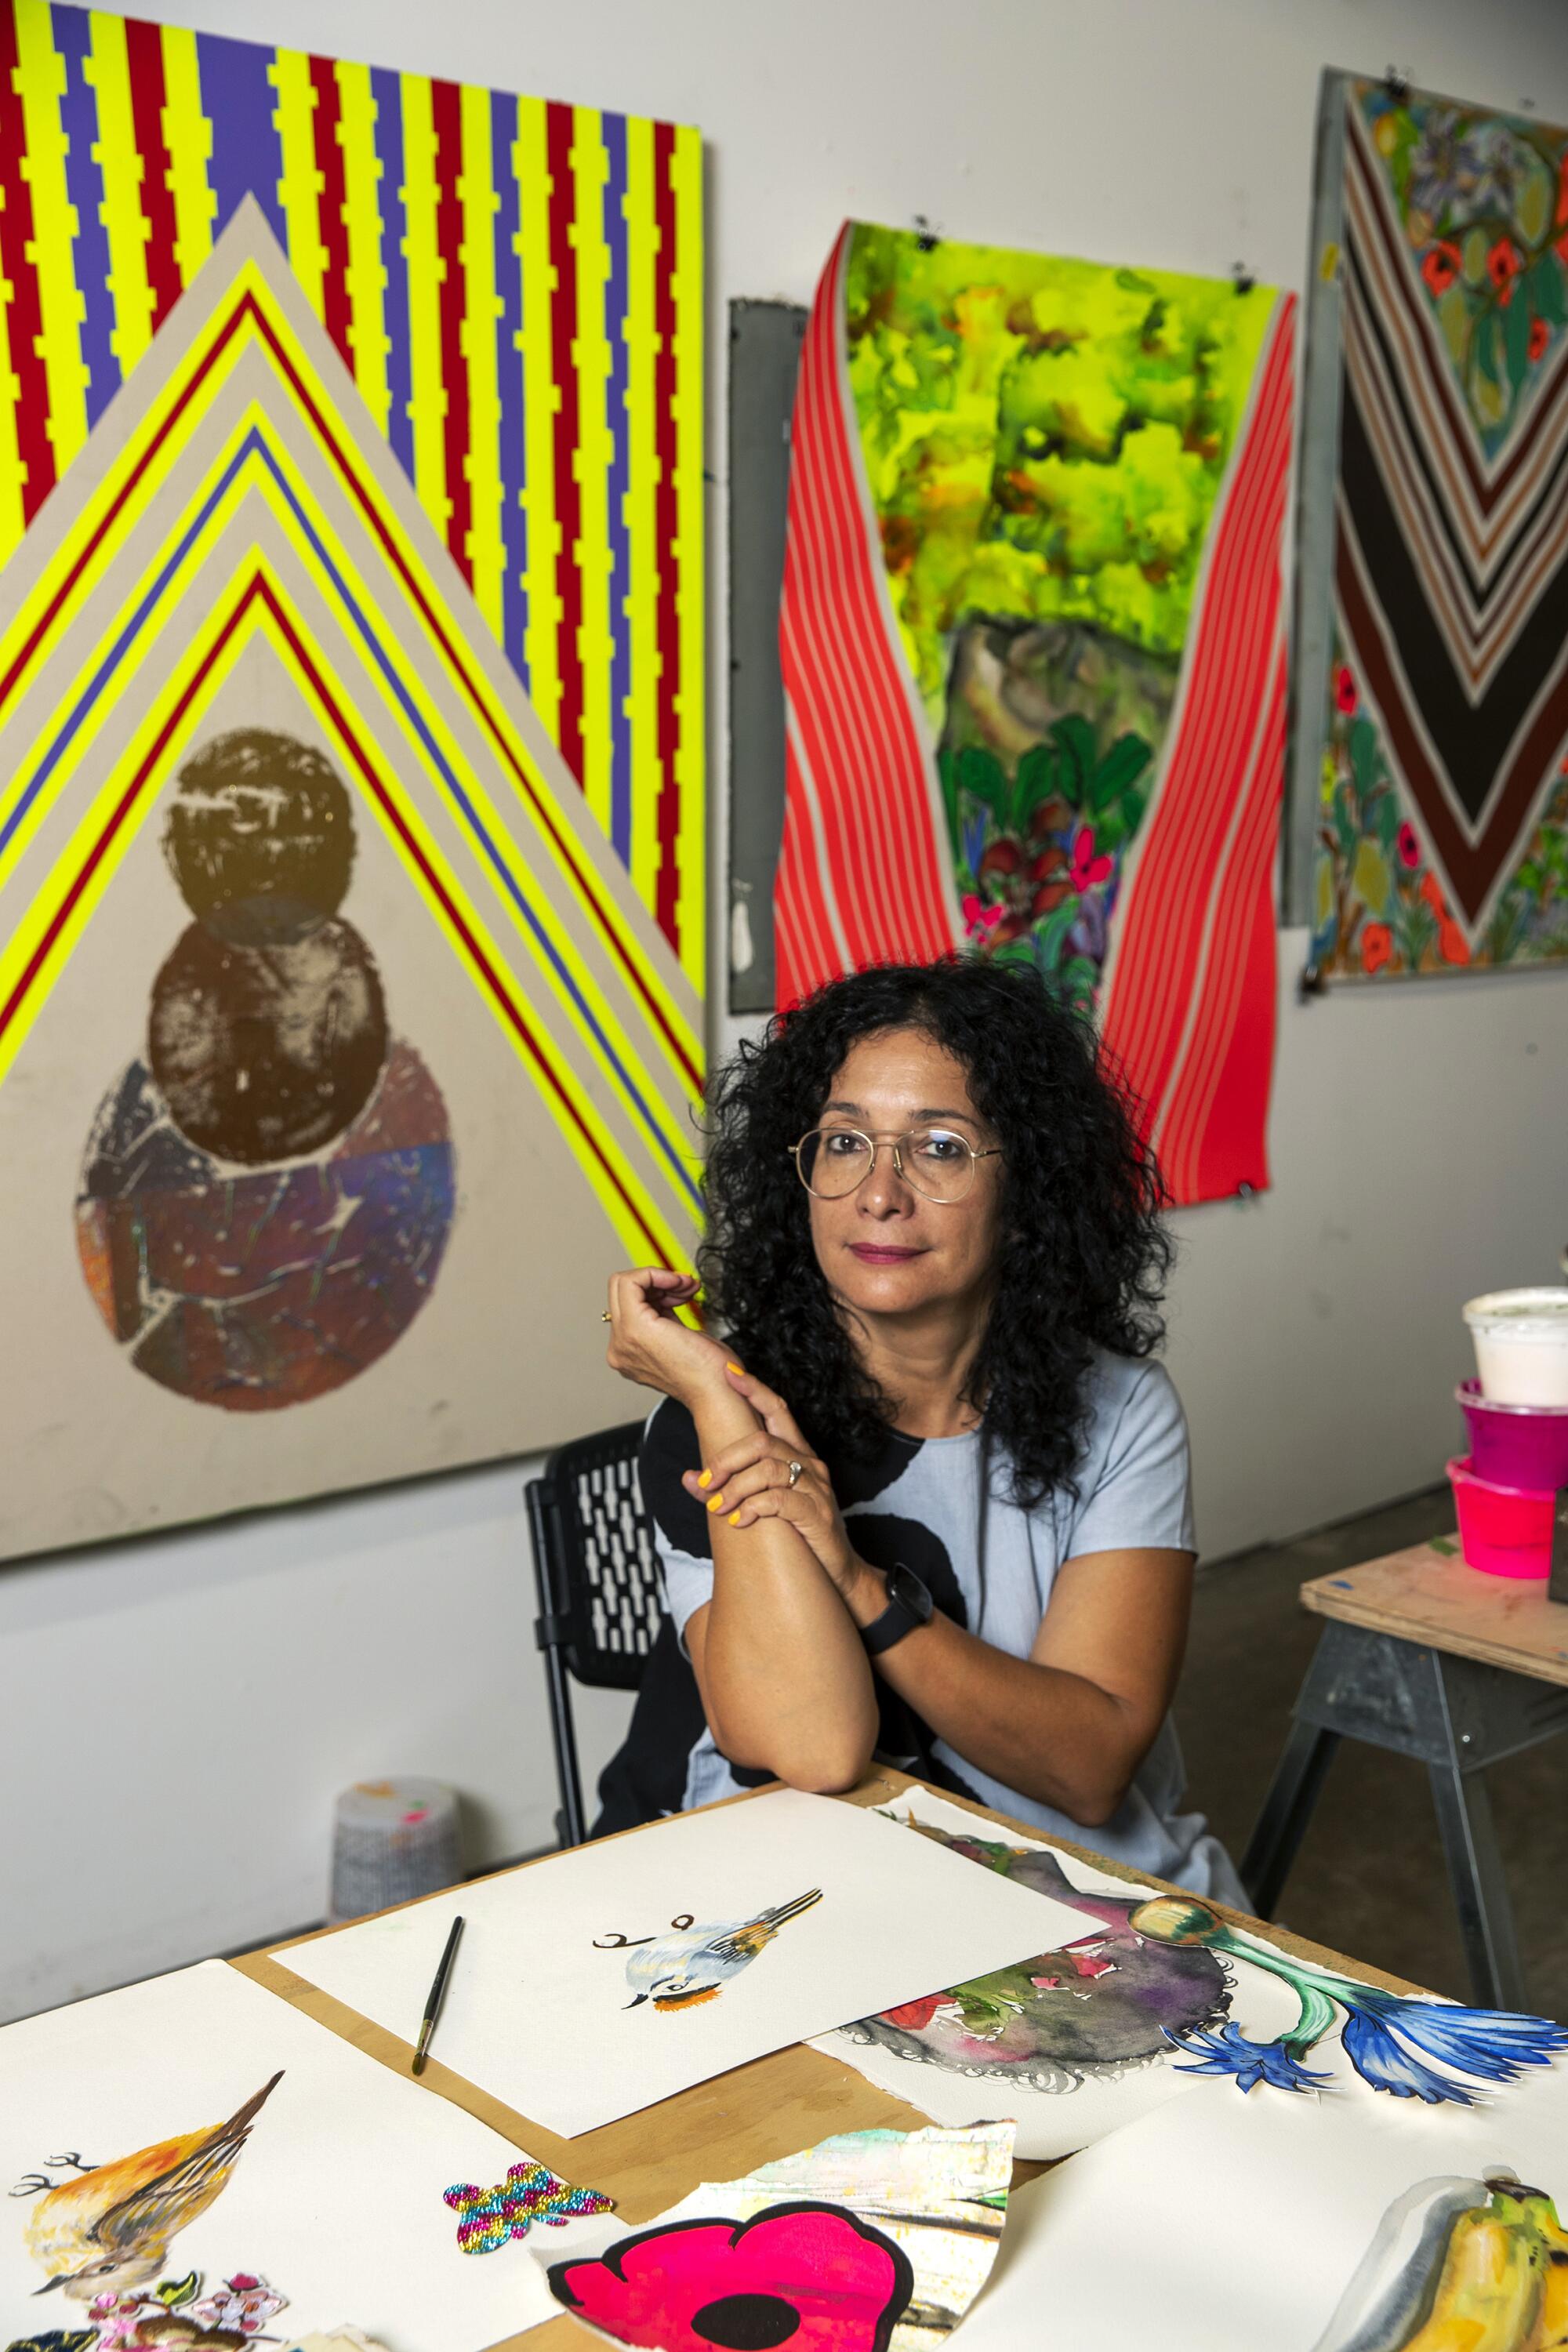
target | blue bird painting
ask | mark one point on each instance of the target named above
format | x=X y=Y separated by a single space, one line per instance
x=697 y=1960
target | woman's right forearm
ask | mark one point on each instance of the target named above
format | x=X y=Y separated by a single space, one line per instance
x=784 y=1678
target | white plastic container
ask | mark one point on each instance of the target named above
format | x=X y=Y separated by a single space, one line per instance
x=1521 y=1345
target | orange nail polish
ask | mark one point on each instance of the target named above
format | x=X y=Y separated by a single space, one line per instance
x=734 y=1518
x=717 y=1504
x=737 y=1369
x=706 y=1479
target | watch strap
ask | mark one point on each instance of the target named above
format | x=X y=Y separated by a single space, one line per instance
x=899 y=1618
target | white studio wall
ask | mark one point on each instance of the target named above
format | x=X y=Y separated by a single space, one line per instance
x=180 y=1712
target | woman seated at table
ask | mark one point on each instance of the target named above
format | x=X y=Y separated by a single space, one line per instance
x=929 y=1497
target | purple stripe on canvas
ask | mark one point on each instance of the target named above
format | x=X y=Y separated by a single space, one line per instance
x=509 y=376
x=386 y=90
x=239 y=101
x=615 y=300
x=84 y=186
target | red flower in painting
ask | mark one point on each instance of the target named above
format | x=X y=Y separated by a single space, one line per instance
x=1376 y=946
x=1440 y=267
x=1087 y=868
x=812 y=2276
x=914 y=2016
x=1452 y=944
x=1345 y=695
x=1409 y=847
x=1503 y=265
x=1540 y=336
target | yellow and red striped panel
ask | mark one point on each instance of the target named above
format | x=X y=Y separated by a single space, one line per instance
x=515 y=286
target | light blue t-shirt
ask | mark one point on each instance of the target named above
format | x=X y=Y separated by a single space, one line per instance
x=994 y=1571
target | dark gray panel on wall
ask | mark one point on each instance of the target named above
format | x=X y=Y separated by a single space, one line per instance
x=765 y=356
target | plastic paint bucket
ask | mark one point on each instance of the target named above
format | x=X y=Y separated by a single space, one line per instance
x=1521 y=1346
x=1516 y=1444
x=1503 y=1530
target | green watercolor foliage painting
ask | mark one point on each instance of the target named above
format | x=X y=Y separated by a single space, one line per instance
x=1045 y=441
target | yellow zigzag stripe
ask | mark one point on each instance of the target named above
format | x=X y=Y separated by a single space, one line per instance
x=685 y=170
x=482 y=308
x=109 y=70
x=365 y=275
x=42 y=80
x=299 y=184
x=642 y=599
x=188 y=135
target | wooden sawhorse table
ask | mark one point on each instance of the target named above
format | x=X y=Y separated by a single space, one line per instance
x=1423 y=1656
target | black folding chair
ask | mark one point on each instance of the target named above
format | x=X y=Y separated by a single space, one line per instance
x=600 y=1606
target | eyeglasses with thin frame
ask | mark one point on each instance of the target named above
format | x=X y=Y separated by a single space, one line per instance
x=834 y=1161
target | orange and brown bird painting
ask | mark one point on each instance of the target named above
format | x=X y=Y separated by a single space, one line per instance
x=111 y=2227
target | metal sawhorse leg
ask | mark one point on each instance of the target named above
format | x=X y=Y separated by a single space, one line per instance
x=1454 y=1714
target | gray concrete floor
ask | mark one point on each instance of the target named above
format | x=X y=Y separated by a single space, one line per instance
x=1370 y=1879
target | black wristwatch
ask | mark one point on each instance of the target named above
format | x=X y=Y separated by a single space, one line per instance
x=910 y=1606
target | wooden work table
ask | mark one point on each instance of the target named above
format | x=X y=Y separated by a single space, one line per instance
x=1426 y=1594
x=722 y=2128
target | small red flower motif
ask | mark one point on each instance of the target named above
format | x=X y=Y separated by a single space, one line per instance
x=1087 y=868
x=1440 y=267
x=979 y=920
x=1540 y=336
x=1452 y=944
x=1345 y=695
x=1409 y=847
x=1504 y=263
x=812 y=2276
x=1376 y=946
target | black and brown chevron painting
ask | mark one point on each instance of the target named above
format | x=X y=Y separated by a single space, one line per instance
x=1431 y=776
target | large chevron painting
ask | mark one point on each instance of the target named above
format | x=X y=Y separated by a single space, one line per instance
x=341 y=1058
x=1431 y=779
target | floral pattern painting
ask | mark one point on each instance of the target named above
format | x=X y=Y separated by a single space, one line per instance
x=1433 y=795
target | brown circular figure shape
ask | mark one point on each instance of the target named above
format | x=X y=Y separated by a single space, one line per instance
x=260 y=837
x=264 y=1054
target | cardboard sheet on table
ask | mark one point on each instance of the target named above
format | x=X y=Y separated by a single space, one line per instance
x=335 y=2199
x=538 y=2011
x=1224 y=2225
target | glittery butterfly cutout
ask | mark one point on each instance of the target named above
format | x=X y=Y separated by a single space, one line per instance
x=531 y=2192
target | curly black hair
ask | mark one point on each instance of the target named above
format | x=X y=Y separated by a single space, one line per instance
x=1085 y=1254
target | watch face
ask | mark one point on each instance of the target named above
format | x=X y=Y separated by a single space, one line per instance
x=906 y=1588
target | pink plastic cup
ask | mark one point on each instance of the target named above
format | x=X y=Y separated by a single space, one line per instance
x=1503 y=1530
x=1522 y=1446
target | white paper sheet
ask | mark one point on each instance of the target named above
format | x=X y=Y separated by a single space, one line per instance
x=1224 y=2225
x=335 y=2199
x=541 y=2017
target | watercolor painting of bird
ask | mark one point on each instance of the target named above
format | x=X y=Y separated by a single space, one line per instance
x=112 y=2226
x=695 y=1962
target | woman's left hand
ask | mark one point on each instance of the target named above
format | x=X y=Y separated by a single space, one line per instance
x=750 y=1480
